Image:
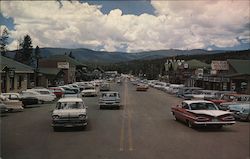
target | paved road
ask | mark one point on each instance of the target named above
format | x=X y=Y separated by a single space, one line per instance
x=143 y=129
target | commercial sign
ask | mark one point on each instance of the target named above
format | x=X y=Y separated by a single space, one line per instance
x=63 y=65
x=219 y=65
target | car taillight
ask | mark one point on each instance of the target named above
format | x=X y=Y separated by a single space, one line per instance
x=228 y=118
x=201 y=118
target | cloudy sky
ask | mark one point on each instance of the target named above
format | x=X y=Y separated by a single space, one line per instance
x=130 y=26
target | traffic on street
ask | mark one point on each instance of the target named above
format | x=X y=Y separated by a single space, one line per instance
x=143 y=126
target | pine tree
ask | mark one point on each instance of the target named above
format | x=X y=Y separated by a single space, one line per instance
x=4 y=41
x=25 y=52
x=37 y=55
x=71 y=55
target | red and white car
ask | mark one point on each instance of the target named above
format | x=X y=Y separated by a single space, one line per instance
x=202 y=113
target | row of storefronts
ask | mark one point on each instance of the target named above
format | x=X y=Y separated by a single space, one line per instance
x=229 y=75
x=53 y=71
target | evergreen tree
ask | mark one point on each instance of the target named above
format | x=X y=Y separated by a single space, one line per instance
x=71 y=55
x=18 y=55
x=4 y=41
x=25 y=52
x=37 y=55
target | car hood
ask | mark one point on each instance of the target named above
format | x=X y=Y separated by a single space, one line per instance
x=214 y=113
x=71 y=112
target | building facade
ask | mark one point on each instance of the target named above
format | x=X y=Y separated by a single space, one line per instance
x=15 y=76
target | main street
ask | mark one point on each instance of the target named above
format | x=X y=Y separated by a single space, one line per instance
x=142 y=129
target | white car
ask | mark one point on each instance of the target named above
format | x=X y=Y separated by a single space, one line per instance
x=69 y=112
x=11 y=105
x=89 y=91
x=43 y=95
x=110 y=100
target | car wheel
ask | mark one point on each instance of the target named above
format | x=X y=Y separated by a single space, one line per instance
x=55 y=129
x=218 y=126
x=189 y=124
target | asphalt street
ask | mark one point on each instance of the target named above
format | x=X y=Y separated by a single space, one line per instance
x=143 y=128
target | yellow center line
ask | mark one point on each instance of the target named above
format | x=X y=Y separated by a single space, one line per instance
x=126 y=113
x=123 y=122
x=130 y=139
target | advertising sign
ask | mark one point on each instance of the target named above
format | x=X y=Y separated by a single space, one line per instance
x=219 y=65
x=63 y=65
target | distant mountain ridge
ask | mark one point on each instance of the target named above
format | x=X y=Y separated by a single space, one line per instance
x=87 y=55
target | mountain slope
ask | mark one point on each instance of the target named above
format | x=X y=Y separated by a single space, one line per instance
x=86 y=55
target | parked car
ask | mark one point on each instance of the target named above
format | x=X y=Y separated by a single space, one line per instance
x=70 y=90
x=109 y=99
x=174 y=88
x=105 y=87
x=26 y=100
x=142 y=87
x=187 y=92
x=43 y=95
x=3 y=107
x=89 y=91
x=11 y=105
x=69 y=112
x=228 y=98
x=202 y=113
x=241 y=111
x=58 y=91
x=241 y=99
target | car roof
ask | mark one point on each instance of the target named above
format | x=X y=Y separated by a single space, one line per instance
x=70 y=99
x=196 y=101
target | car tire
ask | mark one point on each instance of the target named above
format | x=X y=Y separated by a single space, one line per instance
x=218 y=126
x=55 y=129
x=189 y=124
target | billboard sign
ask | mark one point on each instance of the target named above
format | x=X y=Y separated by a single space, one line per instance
x=219 y=65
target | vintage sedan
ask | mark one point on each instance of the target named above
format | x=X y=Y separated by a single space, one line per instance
x=69 y=112
x=89 y=91
x=241 y=111
x=109 y=100
x=26 y=100
x=142 y=87
x=11 y=105
x=202 y=113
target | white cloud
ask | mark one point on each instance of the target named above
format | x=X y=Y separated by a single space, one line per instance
x=179 y=25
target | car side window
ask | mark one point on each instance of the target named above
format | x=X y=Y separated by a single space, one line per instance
x=185 y=106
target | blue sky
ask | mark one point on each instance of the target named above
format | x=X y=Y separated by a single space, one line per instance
x=130 y=26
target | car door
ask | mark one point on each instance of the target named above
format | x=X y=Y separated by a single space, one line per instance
x=183 y=111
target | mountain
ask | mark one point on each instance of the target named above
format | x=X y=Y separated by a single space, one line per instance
x=86 y=55
x=91 y=56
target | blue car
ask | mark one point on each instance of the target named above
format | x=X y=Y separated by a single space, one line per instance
x=241 y=111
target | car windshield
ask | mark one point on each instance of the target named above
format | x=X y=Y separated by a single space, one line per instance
x=203 y=106
x=69 y=105
x=109 y=94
